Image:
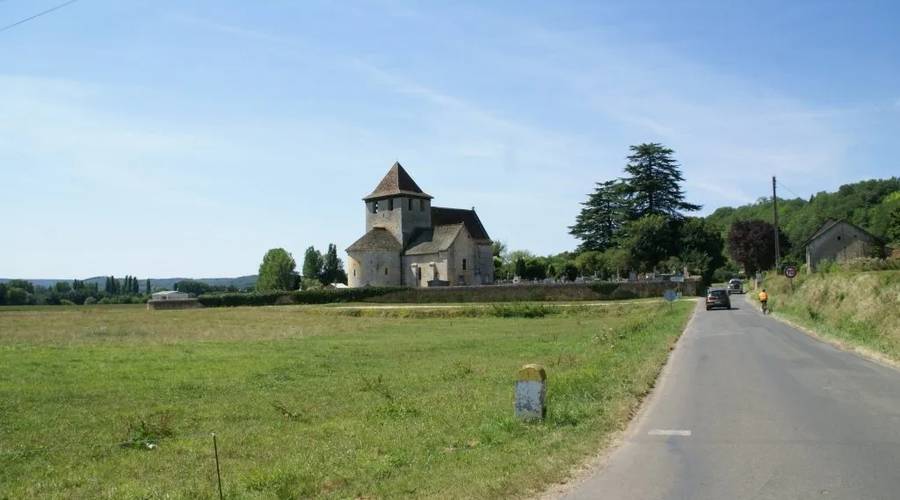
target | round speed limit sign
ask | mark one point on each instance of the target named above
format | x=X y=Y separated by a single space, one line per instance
x=790 y=271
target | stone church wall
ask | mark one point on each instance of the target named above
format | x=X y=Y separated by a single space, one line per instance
x=373 y=268
x=400 y=221
x=412 y=262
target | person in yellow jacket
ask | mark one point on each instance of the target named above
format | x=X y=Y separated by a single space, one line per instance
x=764 y=300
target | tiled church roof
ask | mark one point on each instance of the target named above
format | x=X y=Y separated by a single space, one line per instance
x=397 y=183
x=376 y=239
x=437 y=239
x=445 y=216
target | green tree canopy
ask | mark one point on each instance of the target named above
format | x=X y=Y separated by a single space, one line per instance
x=601 y=218
x=650 y=240
x=332 y=267
x=276 y=271
x=867 y=204
x=751 y=244
x=193 y=287
x=701 y=247
x=312 y=264
x=653 y=185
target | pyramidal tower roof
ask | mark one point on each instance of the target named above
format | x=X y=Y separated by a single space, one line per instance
x=397 y=182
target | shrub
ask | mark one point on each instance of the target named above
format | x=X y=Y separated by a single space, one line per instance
x=146 y=432
x=871 y=264
x=604 y=288
x=622 y=294
x=523 y=311
x=319 y=296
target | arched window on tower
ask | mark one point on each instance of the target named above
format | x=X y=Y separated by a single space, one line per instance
x=391 y=204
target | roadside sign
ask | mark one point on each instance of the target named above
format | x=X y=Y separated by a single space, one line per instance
x=790 y=272
x=670 y=295
x=677 y=279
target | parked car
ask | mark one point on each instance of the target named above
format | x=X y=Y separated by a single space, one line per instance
x=717 y=297
x=735 y=286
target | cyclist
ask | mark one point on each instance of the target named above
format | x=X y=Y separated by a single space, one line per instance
x=764 y=299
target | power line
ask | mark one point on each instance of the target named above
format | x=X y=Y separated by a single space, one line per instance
x=39 y=14
x=790 y=190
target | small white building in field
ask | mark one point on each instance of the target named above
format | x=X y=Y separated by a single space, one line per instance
x=169 y=295
x=172 y=300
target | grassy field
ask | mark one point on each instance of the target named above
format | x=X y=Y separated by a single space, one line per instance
x=857 y=308
x=119 y=402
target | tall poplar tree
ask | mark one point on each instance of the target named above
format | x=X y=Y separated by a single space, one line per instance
x=332 y=267
x=312 y=264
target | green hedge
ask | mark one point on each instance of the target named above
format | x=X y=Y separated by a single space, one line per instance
x=507 y=293
x=323 y=296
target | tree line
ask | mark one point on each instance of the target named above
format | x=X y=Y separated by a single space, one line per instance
x=634 y=223
x=639 y=223
x=278 y=270
x=77 y=292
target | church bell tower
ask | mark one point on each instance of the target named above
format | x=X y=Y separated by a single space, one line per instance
x=398 y=205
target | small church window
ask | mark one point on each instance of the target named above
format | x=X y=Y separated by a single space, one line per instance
x=354 y=272
x=419 y=274
x=385 y=271
x=410 y=204
x=421 y=205
x=391 y=204
x=375 y=207
x=464 y=264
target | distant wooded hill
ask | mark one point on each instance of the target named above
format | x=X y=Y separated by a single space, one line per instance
x=868 y=204
x=240 y=282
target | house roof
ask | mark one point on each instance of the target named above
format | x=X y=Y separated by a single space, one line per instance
x=445 y=216
x=397 y=182
x=830 y=223
x=376 y=239
x=437 y=239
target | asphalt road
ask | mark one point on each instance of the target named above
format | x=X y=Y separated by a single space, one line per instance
x=751 y=408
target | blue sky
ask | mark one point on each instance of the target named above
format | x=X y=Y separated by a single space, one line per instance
x=163 y=138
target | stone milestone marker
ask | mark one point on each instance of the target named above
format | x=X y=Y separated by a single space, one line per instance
x=531 y=390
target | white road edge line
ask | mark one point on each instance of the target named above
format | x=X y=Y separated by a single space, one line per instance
x=669 y=432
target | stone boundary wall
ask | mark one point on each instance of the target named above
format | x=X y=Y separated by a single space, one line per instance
x=541 y=292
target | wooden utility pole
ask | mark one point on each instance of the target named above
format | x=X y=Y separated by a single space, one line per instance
x=775 y=219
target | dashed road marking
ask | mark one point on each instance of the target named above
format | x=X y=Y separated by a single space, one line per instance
x=669 y=432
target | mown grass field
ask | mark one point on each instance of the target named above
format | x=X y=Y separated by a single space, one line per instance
x=859 y=308
x=313 y=402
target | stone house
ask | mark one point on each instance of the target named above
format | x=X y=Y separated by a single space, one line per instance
x=839 y=240
x=409 y=242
